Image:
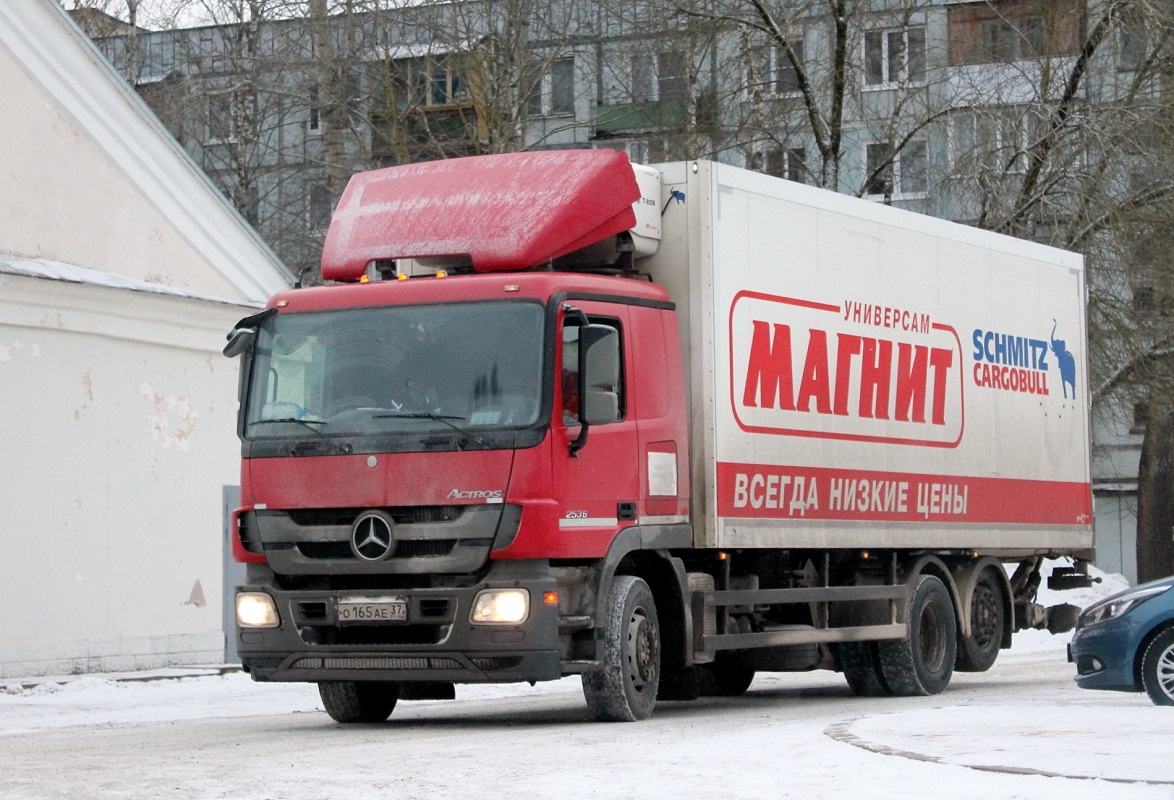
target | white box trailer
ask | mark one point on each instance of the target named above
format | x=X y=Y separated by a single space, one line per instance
x=862 y=376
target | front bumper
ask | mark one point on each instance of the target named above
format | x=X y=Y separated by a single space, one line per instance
x=1104 y=656
x=436 y=643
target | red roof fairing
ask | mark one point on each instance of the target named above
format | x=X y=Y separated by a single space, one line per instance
x=505 y=212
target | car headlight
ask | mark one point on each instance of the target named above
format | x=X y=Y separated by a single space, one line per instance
x=1114 y=607
x=500 y=606
x=256 y=610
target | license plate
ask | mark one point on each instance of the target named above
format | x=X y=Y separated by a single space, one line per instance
x=373 y=609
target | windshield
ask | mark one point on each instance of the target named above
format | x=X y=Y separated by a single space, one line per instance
x=468 y=367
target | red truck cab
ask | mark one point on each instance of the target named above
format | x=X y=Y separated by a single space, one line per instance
x=420 y=489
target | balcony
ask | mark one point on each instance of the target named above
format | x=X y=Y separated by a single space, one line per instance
x=623 y=118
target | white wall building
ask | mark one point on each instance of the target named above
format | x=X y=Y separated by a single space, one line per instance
x=121 y=269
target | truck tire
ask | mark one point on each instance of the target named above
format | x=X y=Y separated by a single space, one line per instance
x=988 y=618
x=625 y=689
x=724 y=678
x=923 y=662
x=1157 y=669
x=358 y=701
x=858 y=662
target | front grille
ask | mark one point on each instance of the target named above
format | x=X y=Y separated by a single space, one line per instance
x=434 y=608
x=403 y=515
x=376 y=662
x=492 y=664
x=313 y=610
x=423 y=548
x=247 y=528
x=404 y=548
x=325 y=551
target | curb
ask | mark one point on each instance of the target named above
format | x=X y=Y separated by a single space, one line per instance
x=21 y=685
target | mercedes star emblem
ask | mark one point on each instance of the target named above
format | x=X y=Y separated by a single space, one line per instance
x=371 y=538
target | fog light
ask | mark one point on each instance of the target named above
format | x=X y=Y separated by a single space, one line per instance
x=500 y=606
x=256 y=610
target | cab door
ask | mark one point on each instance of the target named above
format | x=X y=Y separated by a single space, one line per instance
x=596 y=485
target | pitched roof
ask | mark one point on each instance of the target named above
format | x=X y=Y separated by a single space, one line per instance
x=137 y=149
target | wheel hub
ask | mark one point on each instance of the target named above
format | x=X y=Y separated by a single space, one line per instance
x=1166 y=672
x=642 y=650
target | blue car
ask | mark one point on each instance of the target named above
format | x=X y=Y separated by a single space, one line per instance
x=1125 y=642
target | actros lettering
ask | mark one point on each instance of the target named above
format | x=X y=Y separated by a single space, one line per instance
x=459 y=494
x=890 y=380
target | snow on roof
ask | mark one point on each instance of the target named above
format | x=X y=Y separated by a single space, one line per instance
x=71 y=273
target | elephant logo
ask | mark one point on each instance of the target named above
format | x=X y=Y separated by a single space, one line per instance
x=1066 y=361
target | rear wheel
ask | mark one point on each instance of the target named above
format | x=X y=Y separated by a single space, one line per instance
x=1157 y=669
x=858 y=662
x=725 y=678
x=978 y=651
x=625 y=689
x=358 y=701
x=923 y=662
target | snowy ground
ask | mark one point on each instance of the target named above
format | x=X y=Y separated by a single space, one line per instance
x=1022 y=730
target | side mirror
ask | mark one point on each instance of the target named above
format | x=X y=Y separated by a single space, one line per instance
x=244 y=333
x=239 y=340
x=599 y=374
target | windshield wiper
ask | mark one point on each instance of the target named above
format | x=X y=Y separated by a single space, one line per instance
x=443 y=418
x=306 y=423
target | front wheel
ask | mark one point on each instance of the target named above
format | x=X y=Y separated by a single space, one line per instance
x=625 y=689
x=1157 y=669
x=358 y=701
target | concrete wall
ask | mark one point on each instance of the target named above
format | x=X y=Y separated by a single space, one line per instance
x=118 y=438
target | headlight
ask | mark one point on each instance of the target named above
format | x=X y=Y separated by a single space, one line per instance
x=256 y=610
x=1117 y=606
x=500 y=606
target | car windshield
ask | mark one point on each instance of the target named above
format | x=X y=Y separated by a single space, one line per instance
x=468 y=367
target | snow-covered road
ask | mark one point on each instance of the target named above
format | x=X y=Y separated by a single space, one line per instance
x=1008 y=733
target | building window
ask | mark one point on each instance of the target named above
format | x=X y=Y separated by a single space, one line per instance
x=562 y=86
x=315 y=122
x=534 y=95
x=557 y=84
x=321 y=208
x=777 y=75
x=1132 y=39
x=643 y=81
x=1141 y=417
x=894 y=56
x=429 y=81
x=672 y=81
x=646 y=151
x=1003 y=31
x=993 y=138
x=901 y=175
x=782 y=162
x=221 y=117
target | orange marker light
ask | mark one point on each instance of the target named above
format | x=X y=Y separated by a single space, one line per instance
x=440 y=273
x=403 y=276
x=550 y=598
